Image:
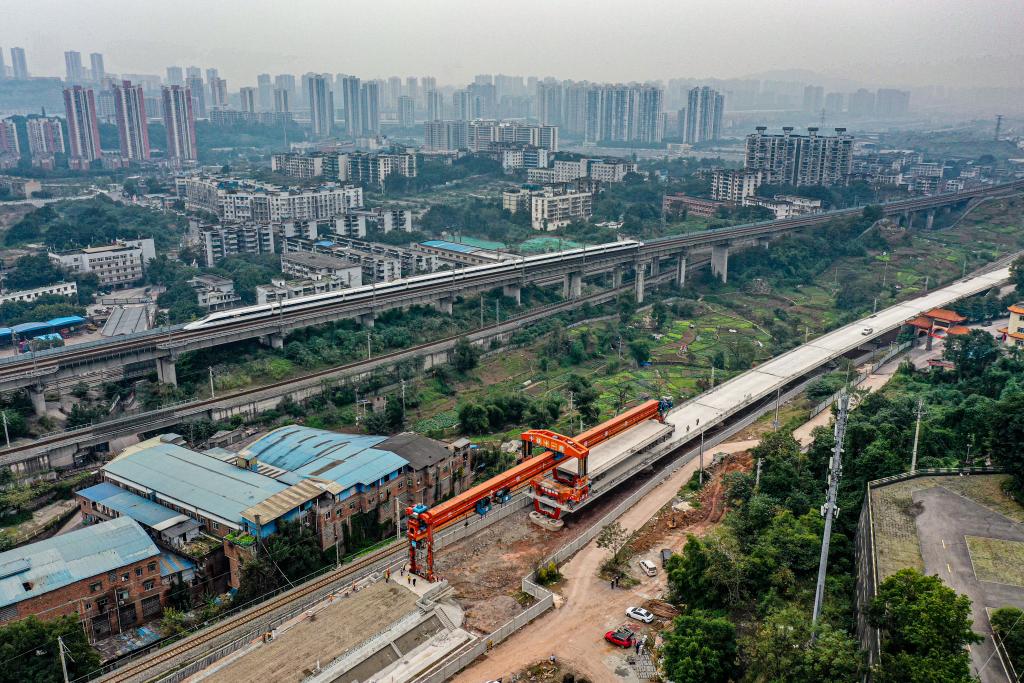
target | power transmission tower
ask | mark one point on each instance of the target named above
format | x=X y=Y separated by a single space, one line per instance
x=999 y=126
x=829 y=509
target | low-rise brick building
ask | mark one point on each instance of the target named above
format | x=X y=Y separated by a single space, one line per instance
x=344 y=486
x=108 y=574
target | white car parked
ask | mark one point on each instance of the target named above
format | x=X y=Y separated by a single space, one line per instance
x=640 y=614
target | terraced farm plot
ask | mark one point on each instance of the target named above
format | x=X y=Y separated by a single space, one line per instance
x=997 y=561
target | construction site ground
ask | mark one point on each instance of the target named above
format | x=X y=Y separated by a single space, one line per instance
x=486 y=569
x=336 y=629
x=586 y=606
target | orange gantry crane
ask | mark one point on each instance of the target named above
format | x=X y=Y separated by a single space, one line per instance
x=564 y=490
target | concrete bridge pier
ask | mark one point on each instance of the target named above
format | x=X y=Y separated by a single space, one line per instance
x=908 y=219
x=617 y=277
x=274 y=340
x=513 y=292
x=444 y=305
x=38 y=397
x=720 y=261
x=366 y=319
x=572 y=285
x=655 y=265
x=681 y=270
x=639 y=283
x=166 y=372
x=929 y=219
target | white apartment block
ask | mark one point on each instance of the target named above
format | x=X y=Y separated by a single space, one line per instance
x=280 y=289
x=550 y=211
x=304 y=166
x=220 y=241
x=25 y=295
x=213 y=292
x=374 y=168
x=735 y=185
x=810 y=159
x=116 y=265
x=515 y=201
x=253 y=202
x=785 y=206
x=603 y=170
x=482 y=135
x=302 y=265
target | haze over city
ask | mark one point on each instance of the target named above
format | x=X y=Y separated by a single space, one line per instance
x=875 y=42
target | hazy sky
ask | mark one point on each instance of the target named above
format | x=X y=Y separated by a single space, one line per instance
x=880 y=42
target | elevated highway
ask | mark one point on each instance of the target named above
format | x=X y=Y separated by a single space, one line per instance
x=271 y=323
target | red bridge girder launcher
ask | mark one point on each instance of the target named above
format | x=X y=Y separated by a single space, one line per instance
x=563 y=490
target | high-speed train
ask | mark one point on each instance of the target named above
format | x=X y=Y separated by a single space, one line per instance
x=383 y=290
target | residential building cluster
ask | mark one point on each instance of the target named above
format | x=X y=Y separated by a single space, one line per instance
x=256 y=202
x=369 y=168
x=567 y=171
x=483 y=135
x=885 y=103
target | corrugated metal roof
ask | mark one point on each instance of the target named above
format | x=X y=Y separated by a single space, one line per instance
x=66 y=320
x=142 y=510
x=216 y=488
x=62 y=560
x=450 y=246
x=291 y=498
x=29 y=327
x=171 y=563
x=347 y=459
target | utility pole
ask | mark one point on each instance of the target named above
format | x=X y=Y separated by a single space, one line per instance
x=367 y=345
x=61 y=648
x=701 y=455
x=917 y=436
x=829 y=509
x=775 y=422
x=7 y=436
x=398 y=522
x=757 y=477
x=212 y=394
x=403 y=404
x=497 y=311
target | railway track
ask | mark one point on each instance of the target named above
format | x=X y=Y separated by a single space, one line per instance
x=43 y=363
x=137 y=669
x=112 y=428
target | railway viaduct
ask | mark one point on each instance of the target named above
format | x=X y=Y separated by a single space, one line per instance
x=34 y=371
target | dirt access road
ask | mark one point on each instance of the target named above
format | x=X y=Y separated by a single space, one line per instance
x=587 y=606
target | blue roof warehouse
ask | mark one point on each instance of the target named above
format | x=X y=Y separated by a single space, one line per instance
x=292 y=473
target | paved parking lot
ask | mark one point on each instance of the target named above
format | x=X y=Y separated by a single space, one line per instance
x=944 y=520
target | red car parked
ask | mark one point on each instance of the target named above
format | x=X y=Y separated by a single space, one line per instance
x=622 y=637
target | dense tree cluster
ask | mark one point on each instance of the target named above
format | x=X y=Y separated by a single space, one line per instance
x=760 y=566
x=77 y=224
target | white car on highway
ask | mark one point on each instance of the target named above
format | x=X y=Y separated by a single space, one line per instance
x=640 y=614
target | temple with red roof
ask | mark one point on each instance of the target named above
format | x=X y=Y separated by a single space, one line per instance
x=939 y=322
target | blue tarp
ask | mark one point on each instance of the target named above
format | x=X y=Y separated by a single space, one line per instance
x=6 y=332
x=29 y=328
x=66 y=321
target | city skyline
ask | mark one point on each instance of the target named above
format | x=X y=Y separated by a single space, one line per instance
x=883 y=44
